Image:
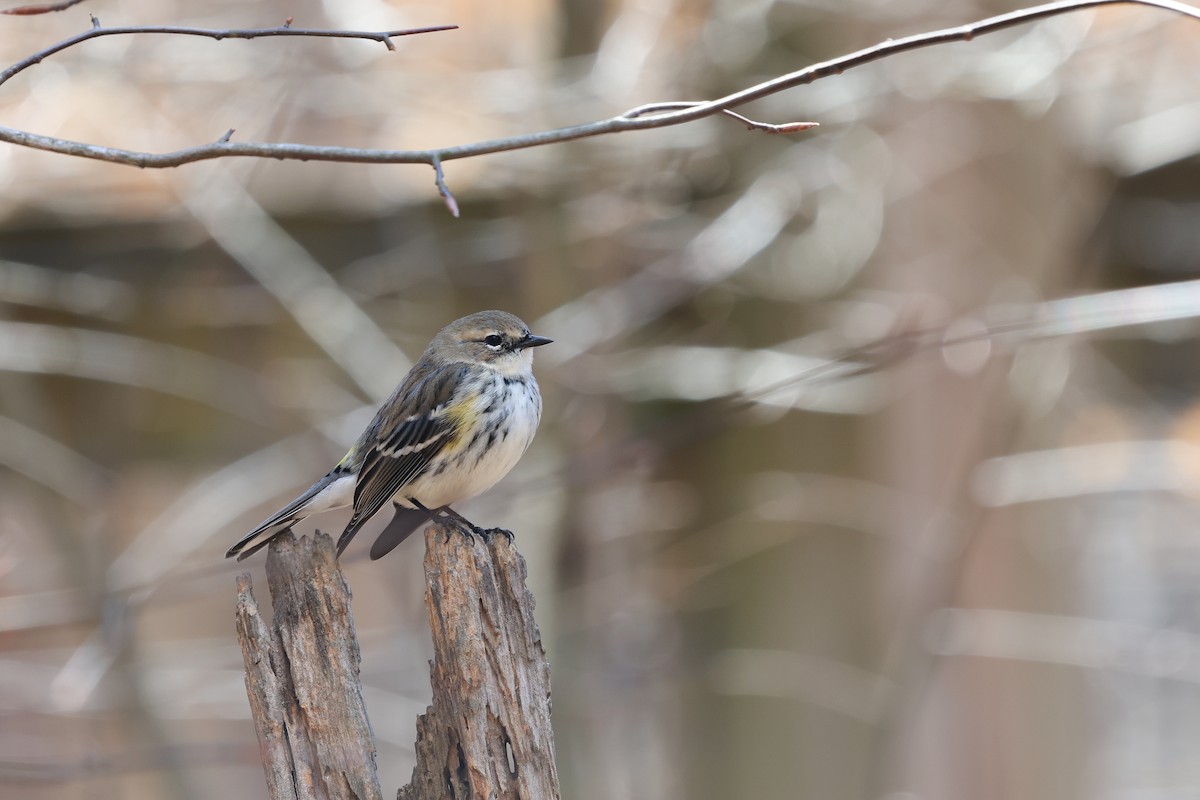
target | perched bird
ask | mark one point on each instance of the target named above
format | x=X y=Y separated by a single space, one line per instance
x=458 y=422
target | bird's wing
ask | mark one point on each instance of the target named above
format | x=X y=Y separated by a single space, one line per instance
x=403 y=447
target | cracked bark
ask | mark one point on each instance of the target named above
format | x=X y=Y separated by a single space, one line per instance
x=487 y=733
x=302 y=677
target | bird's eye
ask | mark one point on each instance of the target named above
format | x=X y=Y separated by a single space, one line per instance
x=495 y=340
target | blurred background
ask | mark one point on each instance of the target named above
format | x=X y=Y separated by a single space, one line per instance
x=870 y=456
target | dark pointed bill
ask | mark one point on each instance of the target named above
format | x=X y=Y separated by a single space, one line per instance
x=529 y=340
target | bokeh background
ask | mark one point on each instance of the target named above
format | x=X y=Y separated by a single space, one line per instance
x=869 y=465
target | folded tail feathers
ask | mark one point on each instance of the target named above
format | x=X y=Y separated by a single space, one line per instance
x=254 y=542
x=348 y=534
x=332 y=491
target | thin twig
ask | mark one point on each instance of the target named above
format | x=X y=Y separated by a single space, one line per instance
x=96 y=31
x=44 y=8
x=768 y=127
x=752 y=124
x=655 y=115
x=443 y=189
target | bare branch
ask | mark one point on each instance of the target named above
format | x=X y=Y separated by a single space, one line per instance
x=96 y=31
x=656 y=115
x=752 y=124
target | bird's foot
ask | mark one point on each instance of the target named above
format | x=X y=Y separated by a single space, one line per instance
x=468 y=528
x=468 y=531
x=462 y=524
x=491 y=533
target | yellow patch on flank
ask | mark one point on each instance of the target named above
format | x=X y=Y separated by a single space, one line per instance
x=462 y=417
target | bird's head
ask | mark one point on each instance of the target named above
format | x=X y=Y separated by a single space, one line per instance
x=494 y=339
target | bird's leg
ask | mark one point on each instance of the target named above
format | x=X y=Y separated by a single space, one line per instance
x=464 y=524
x=437 y=512
x=446 y=512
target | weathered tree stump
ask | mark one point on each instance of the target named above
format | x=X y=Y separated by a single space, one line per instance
x=302 y=677
x=487 y=733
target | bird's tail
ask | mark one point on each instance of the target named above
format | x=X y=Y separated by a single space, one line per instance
x=333 y=491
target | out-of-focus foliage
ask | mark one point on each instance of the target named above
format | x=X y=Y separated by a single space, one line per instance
x=908 y=559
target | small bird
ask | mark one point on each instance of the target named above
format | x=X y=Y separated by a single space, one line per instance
x=458 y=422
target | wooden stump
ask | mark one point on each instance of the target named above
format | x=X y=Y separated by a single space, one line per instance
x=302 y=677
x=487 y=733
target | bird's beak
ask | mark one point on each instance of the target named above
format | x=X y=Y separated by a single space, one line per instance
x=532 y=341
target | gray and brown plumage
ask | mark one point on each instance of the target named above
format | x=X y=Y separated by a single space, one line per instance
x=458 y=422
